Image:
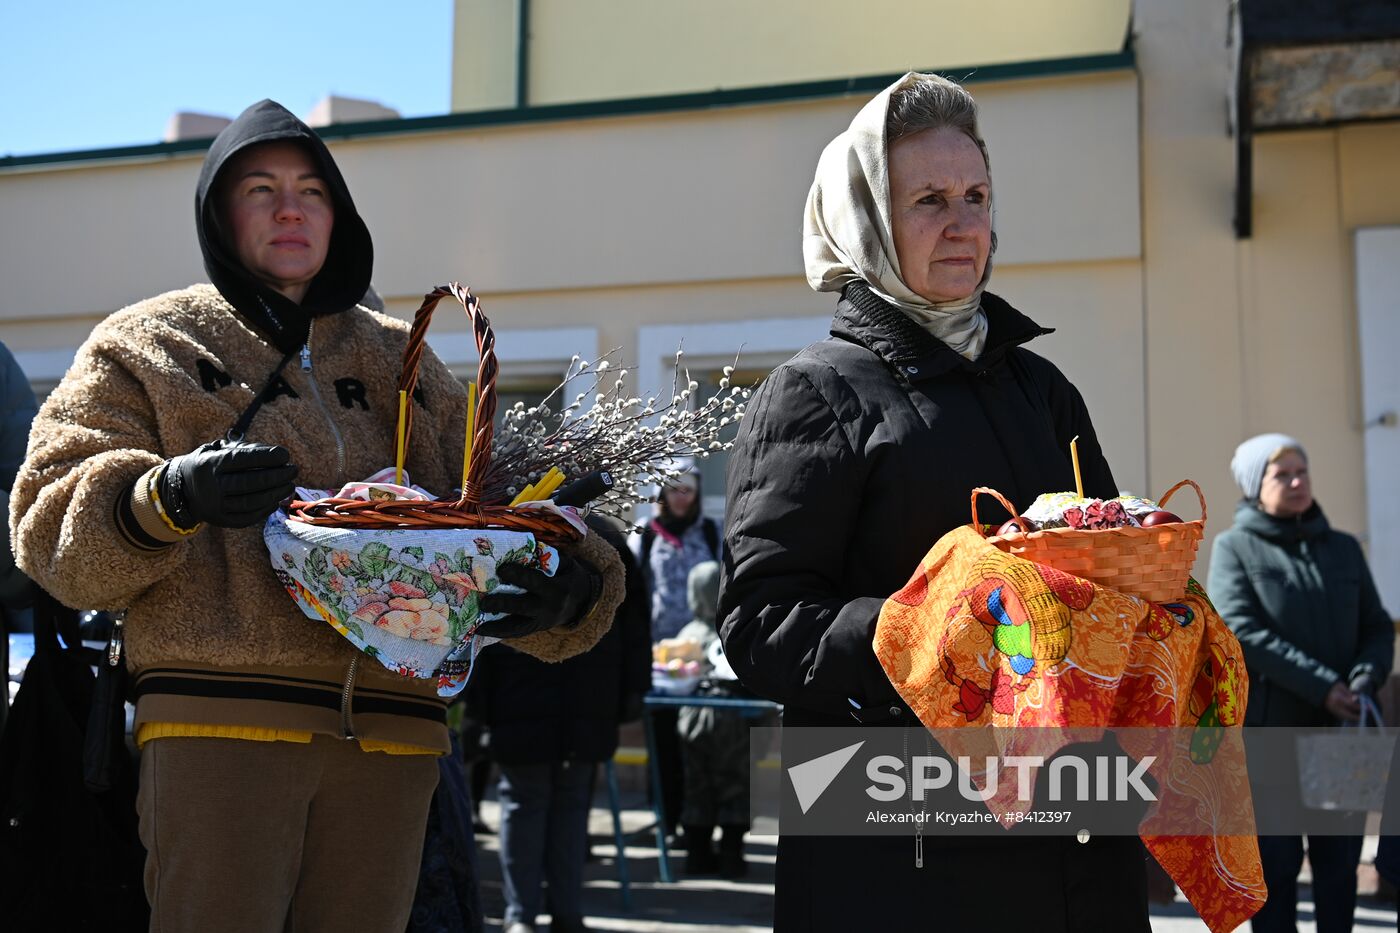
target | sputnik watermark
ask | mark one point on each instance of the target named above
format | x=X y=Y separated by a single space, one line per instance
x=857 y=781
x=950 y=818
x=1192 y=780
x=1109 y=778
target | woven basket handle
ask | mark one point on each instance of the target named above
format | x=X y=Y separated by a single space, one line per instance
x=1006 y=504
x=1199 y=495
x=485 y=380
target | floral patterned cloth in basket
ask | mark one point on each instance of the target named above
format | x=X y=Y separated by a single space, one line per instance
x=405 y=597
x=979 y=637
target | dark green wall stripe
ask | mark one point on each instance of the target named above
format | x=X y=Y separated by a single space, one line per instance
x=670 y=103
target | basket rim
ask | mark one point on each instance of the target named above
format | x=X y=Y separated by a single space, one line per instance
x=1179 y=528
x=1185 y=525
x=334 y=526
x=419 y=515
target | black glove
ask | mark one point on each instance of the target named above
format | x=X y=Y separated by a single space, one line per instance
x=547 y=601
x=229 y=485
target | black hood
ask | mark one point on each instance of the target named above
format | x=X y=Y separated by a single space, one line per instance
x=349 y=261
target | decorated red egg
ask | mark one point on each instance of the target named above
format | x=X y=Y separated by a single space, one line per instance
x=1015 y=526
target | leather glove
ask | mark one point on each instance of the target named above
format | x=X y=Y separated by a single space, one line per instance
x=229 y=485
x=547 y=601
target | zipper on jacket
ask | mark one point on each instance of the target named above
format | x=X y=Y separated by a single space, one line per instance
x=320 y=403
x=347 y=728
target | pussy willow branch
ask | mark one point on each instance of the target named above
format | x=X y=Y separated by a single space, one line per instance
x=639 y=442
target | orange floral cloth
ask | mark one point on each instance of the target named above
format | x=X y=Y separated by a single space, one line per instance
x=981 y=638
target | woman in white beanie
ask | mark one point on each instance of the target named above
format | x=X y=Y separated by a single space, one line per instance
x=1300 y=598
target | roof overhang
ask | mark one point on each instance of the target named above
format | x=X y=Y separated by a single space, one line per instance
x=1122 y=60
x=1308 y=63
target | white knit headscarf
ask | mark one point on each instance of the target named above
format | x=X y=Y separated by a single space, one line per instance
x=847 y=235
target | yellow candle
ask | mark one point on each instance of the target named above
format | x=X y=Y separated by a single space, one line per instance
x=542 y=489
x=398 y=447
x=471 y=431
x=552 y=480
x=1074 y=455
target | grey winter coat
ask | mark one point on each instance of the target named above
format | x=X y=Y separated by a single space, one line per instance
x=1301 y=600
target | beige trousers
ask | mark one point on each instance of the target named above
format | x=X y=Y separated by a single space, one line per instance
x=281 y=837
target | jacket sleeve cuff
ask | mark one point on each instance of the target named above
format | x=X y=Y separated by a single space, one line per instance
x=1322 y=685
x=138 y=519
x=1365 y=667
x=595 y=585
x=847 y=656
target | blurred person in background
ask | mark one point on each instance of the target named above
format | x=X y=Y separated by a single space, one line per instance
x=677 y=538
x=549 y=726
x=1299 y=596
x=16 y=415
x=714 y=747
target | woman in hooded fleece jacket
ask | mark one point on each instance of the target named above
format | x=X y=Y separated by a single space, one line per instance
x=284 y=783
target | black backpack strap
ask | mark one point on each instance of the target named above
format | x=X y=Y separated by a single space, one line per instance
x=56 y=627
x=707 y=525
x=245 y=420
x=644 y=555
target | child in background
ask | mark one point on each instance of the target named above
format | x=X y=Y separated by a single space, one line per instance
x=714 y=748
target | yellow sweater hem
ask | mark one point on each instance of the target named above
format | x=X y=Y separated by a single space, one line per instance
x=149 y=731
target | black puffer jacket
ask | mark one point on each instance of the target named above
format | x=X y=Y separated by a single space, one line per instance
x=539 y=712
x=855 y=457
x=17 y=410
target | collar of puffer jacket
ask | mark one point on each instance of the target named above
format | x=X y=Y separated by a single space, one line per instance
x=1311 y=524
x=865 y=318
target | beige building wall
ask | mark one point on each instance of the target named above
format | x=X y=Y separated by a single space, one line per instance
x=1248 y=336
x=624 y=225
x=1114 y=194
x=1195 y=388
x=484 y=35
x=584 y=50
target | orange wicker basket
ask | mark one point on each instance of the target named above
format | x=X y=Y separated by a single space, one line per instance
x=1151 y=563
x=468 y=511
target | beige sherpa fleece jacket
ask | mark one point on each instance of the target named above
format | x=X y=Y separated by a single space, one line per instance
x=210 y=634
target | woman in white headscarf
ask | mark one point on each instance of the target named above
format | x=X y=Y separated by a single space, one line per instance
x=856 y=456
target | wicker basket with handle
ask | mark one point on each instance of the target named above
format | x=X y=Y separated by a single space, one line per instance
x=468 y=511
x=1151 y=563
